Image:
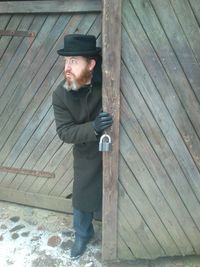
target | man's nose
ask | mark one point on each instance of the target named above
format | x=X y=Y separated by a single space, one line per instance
x=67 y=66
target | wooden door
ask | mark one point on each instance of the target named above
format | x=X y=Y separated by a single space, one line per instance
x=36 y=168
x=159 y=181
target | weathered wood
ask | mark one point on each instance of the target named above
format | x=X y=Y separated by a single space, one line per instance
x=67 y=6
x=10 y=23
x=186 y=233
x=28 y=136
x=31 y=85
x=150 y=244
x=144 y=117
x=131 y=239
x=18 y=64
x=124 y=251
x=51 y=164
x=67 y=193
x=15 y=42
x=33 y=157
x=138 y=116
x=174 y=32
x=111 y=30
x=6 y=43
x=155 y=197
x=189 y=24
x=196 y=9
x=154 y=101
x=36 y=200
x=27 y=172
x=62 y=176
x=17 y=33
x=142 y=202
x=179 y=102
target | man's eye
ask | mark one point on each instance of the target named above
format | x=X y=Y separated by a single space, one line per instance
x=73 y=61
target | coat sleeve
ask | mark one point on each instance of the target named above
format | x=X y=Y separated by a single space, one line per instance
x=67 y=130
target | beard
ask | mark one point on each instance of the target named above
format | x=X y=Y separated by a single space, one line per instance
x=76 y=82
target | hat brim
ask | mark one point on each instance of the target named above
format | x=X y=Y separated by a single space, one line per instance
x=96 y=52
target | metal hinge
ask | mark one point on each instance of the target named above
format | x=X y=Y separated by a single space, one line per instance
x=27 y=172
x=17 y=33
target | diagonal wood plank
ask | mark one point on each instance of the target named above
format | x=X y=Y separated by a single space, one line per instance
x=137 y=222
x=189 y=24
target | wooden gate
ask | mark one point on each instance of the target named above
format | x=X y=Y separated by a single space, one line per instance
x=159 y=180
x=35 y=167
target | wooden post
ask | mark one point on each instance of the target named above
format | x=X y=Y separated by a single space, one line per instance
x=111 y=42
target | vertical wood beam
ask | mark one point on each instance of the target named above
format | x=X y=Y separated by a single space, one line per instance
x=111 y=43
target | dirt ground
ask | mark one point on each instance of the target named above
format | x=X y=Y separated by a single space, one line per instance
x=31 y=237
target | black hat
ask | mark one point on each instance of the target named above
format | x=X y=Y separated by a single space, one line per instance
x=79 y=45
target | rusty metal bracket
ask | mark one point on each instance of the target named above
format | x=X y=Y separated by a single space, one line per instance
x=17 y=33
x=27 y=172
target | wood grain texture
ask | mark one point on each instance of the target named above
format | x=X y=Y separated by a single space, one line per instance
x=31 y=71
x=67 y=6
x=111 y=38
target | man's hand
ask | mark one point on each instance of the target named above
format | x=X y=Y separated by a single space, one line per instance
x=102 y=122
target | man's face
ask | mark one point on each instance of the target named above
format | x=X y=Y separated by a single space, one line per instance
x=78 y=72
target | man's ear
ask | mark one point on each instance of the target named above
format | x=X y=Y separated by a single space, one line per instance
x=92 y=64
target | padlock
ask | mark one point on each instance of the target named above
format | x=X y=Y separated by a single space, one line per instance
x=105 y=143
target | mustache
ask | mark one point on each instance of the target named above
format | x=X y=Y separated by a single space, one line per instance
x=68 y=73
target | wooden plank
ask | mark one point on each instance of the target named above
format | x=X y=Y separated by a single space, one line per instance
x=40 y=182
x=44 y=144
x=5 y=41
x=55 y=146
x=67 y=6
x=29 y=160
x=141 y=115
x=96 y=29
x=23 y=148
x=27 y=102
x=153 y=99
x=14 y=71
x=152 y=131
x=144 y=206
x=15 y=42
x=27 y=172
x=61 y=171
x=131 y=239
x=189 y=24
x=140 y=227
x=4 y=20
x=169 y=83
x=156 y=198
x=64 y=181
x=54 y=160
x=111 y=30
x=67 y=193
x=31 y=73
x=17 y=85
x=196 y=9
x=185 y=238
x=42 y=117
x=64 y=187
x=8 y=23
x=123 y=251
x=179 y=43
x=36 y=200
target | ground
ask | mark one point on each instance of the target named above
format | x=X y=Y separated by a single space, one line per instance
x=31 y=237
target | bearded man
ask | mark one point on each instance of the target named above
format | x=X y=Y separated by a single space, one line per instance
x=77 y=104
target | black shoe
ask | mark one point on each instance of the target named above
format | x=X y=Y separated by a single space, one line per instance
x=79 y=246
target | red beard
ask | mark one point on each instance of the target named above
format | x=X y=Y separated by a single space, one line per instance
x=74 y=82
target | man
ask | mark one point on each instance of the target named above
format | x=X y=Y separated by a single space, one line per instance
x=77 y=104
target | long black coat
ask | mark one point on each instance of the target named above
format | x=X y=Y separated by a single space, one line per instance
x=74 y=113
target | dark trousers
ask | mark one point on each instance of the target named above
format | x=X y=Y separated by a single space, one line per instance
x=82 y=222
